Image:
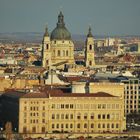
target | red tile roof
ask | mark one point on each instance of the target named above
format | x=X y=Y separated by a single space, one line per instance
x=59 y=93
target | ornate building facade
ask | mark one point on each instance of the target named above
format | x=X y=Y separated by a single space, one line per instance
x=58 y=48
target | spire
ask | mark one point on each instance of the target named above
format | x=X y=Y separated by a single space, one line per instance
x=60 y=22
x=89 y=32
x=46 y=31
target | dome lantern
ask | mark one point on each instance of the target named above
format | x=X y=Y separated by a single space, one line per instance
x=60 y=32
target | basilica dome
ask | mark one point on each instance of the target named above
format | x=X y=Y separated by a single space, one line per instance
x=60 y=32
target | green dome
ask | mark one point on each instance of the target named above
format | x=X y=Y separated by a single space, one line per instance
x=60 y=32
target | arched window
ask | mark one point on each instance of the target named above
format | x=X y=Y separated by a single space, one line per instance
x=58 y=53
x=90 y=47
x=47 y=46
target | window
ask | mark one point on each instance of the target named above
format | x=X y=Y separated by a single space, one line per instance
x=71 y=116
x=43 y=120
x=52 y=125
x=43 y=129
x=43 y=108
x=57 y=126
x=24 y=129
x=78 y=116
x=71 y=105
x=43 y=114
x=67 y=53
x=53 y=116
x=103 y=116
x=66 y=125
x=99 y=125
x=71 y=125
x=92 y=116
x=47 y=46
x=67 y=106
x=92 y=125
x=108 y=126
x=67 y=116
x=78 y=125
x=99 y=116
x=99 y=106
x=112 y=125
x=62 y=116
x=90 y=47
x=24 y=120
x=34 y=129
x=62 y=126
x=58 y=53
x=103 y=125
x=62 y=105
x=85 y=125
x=25 y=108
x=63 y=53
x=57 y=116
x=25 y=114
x=117 y=125
x=90 y=63
x=108 y=116
x=53 y=105
x=85 y=116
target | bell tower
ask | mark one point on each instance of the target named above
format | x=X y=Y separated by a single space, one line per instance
x=46 y=50
x=89 y=50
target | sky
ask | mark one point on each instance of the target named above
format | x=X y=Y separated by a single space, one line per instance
x=106 y=17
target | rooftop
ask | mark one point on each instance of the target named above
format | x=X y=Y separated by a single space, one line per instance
x=59 y=93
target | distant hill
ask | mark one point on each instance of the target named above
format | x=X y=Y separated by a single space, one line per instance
x=36 y=37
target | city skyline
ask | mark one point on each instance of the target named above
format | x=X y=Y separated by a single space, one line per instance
x=108 y=17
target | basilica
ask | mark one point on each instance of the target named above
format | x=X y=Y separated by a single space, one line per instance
x=58 y=48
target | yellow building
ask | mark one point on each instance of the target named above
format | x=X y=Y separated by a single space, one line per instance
x=59 y=47
x=55 y=111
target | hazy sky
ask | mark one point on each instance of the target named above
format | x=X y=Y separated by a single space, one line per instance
x=107 y=17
